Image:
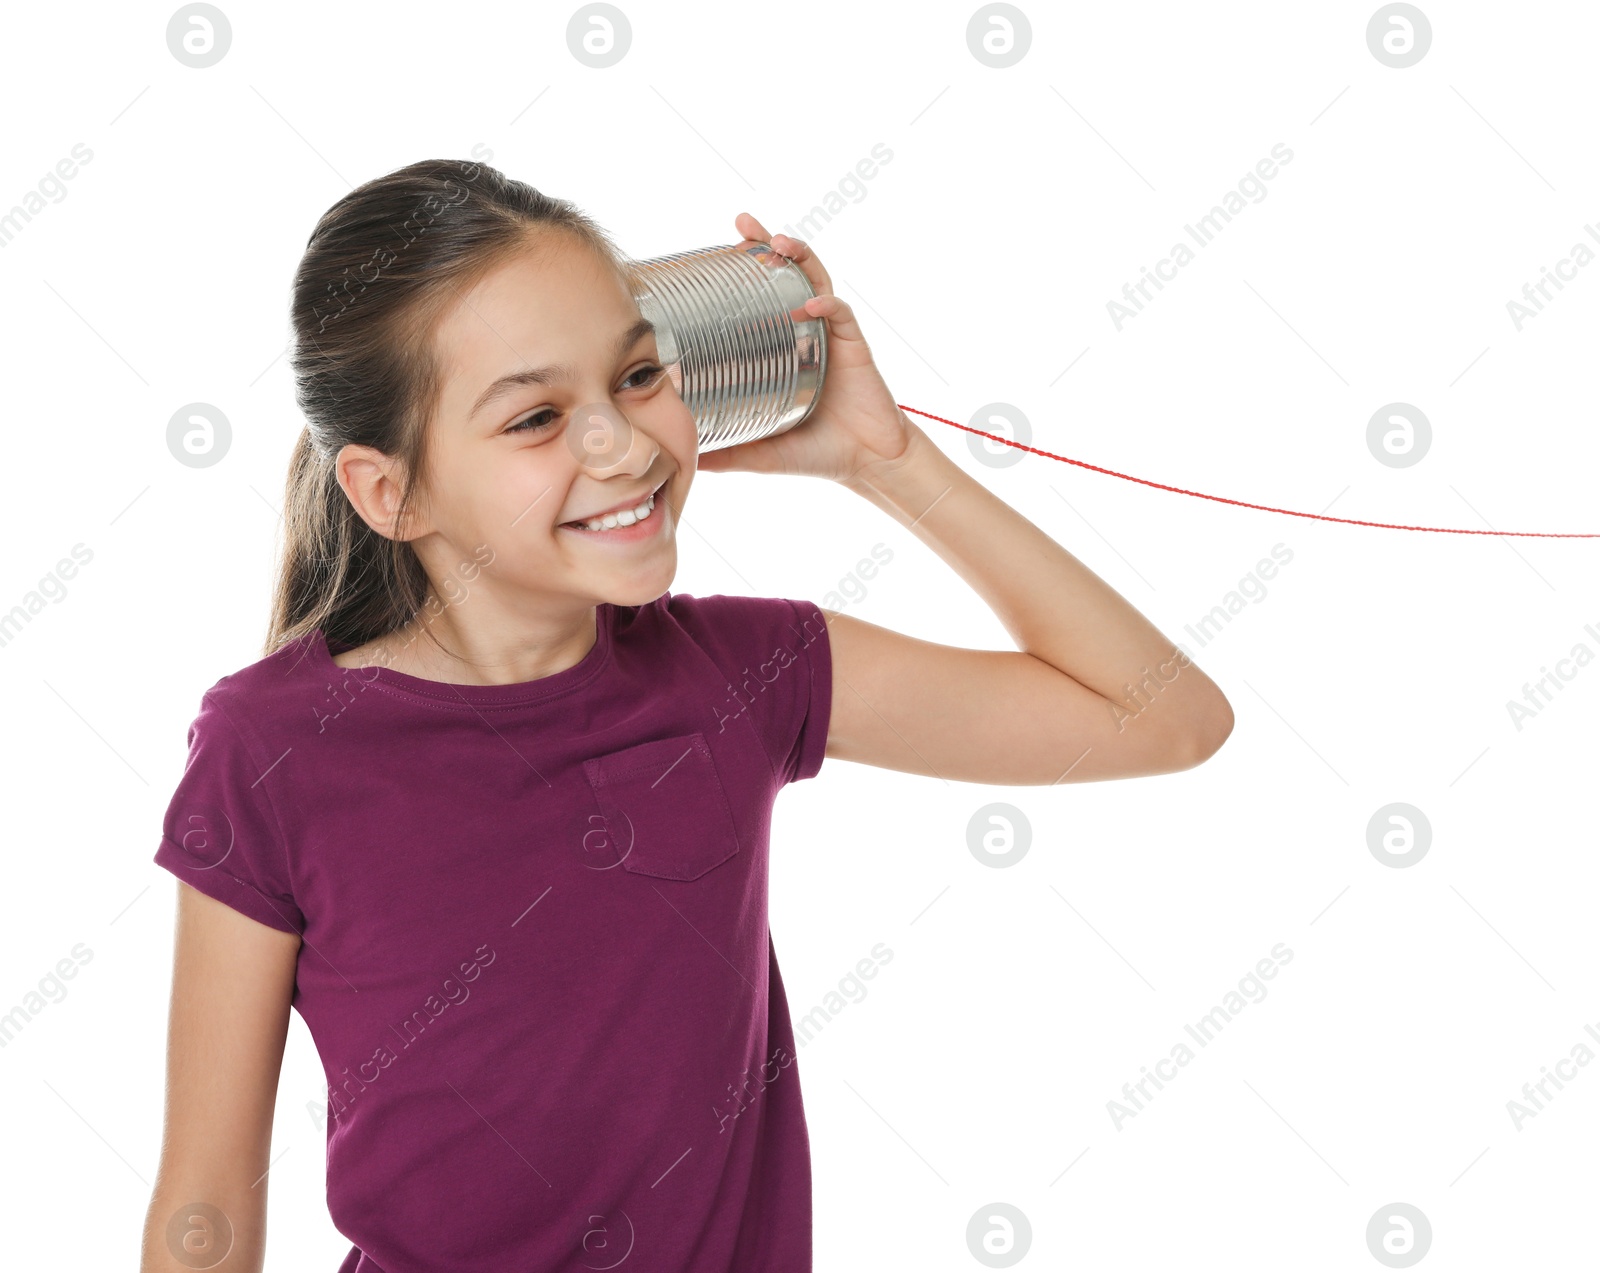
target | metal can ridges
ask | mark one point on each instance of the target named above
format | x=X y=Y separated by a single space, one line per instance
x=747 y=368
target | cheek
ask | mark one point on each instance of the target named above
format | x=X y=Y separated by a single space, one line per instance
x=524 y=494
x=676 y=429
x=504 y=495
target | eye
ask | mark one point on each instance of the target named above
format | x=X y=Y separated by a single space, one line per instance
x=650 y=370
x=532 y=423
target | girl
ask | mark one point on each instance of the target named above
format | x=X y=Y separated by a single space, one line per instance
x=492 y=812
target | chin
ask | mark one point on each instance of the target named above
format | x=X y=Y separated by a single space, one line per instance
x=640 y=591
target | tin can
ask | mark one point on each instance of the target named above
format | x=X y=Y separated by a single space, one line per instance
x=729 y=340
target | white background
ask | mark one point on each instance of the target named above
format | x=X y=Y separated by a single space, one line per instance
x=1376 y=667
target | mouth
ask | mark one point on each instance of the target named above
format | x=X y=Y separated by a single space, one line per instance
x=628 y=525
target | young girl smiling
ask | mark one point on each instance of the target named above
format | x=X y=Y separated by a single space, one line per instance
x=492 y=812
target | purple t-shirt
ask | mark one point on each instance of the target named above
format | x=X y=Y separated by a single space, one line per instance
x=535 y=959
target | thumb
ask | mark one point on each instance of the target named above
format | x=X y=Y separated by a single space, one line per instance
x=759 y=455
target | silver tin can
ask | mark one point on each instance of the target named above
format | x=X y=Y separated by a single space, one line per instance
x=743 y=363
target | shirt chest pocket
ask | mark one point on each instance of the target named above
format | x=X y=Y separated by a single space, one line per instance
x=665 y=807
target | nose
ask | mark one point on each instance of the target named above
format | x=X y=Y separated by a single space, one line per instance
x=607 y=444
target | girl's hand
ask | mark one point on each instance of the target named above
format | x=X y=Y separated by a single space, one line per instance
x=855 y=422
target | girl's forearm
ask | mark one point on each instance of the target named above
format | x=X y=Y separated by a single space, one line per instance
x=1054 y=607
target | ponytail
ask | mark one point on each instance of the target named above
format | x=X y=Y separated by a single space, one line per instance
x=336 y=573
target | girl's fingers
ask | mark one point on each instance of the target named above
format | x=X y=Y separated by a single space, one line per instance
x=797 y=250
x=800 y=253
x=752 y=229
x=841 y=318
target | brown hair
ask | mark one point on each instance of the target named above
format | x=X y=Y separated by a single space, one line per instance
x=379 y=269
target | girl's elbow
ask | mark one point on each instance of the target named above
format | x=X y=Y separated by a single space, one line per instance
x=1205 y=737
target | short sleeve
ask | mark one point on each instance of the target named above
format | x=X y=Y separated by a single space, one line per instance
x=776 y=655
x=810 y=646
x=221 y=834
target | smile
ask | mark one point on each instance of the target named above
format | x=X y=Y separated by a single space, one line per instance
x=626 y=524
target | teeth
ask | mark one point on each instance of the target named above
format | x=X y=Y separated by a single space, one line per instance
x=626 y=517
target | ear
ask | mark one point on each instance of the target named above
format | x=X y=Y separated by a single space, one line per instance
x=371 y=481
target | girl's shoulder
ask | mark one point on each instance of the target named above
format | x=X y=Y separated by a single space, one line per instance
x=297 y=673
x=775 y=656
x=752 y=625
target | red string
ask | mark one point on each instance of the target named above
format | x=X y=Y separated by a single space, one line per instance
x=1349 y=521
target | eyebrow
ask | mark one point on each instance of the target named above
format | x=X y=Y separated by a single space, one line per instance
x=556 y=371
